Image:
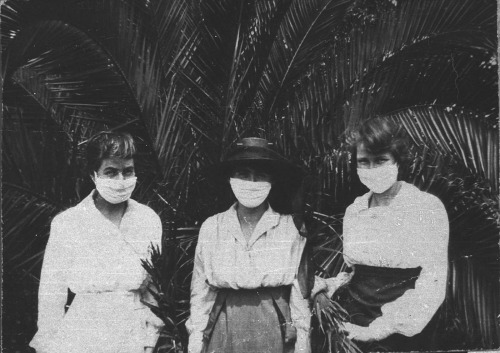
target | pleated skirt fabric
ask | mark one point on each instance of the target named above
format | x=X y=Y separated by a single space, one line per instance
x=250 y=321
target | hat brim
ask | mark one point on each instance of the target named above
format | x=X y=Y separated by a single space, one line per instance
x=280 y=169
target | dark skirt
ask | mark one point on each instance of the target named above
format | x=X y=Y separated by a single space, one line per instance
x=369 y=289
x=251 y=321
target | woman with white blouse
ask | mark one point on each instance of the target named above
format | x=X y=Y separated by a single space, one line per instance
x=95 y=251
x=245 y=296
x=395 y=240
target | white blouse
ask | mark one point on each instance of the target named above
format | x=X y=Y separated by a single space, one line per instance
x=412 y=231
x=101 y=264
x=224 y=259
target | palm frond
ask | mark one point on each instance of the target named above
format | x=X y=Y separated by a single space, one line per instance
x=330 y=316
x=169 y=269
x=466 y=135
x=189 y=78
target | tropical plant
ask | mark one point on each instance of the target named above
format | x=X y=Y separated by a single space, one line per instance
x=189 y=78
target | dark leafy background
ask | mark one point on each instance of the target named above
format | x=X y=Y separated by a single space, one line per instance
x=189 y=78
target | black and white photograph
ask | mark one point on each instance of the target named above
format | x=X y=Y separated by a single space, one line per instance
x=250 y=176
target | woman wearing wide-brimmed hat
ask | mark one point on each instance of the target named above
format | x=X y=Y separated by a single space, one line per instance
x=245 y=296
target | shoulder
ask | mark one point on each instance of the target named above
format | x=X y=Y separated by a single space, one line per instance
x=220 y=218
x=359 y=203
x=210 y=225
x=75 y=214
x=211 y=222
x=285 y=230
x=287 y=221
x=144 y=211
x=64 y=224
x=285 y=218
x=148 y=220
x=422 y=200
x=69 y=216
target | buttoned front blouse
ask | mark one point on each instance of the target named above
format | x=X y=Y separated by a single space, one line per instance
x=411 y=232
x=225 y=259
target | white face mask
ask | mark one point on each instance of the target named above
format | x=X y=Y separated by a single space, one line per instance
x=113 y=190
x=379 y=179
x=250 y=193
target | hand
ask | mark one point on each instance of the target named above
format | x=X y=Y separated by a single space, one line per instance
x=337 y=282
x=364 y=334
x=319 y=286
x=148 y=349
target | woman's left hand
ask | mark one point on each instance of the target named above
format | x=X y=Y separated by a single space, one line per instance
x=320 y=285
x=364 y=334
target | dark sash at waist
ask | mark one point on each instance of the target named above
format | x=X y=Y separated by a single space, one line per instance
x=371 y=287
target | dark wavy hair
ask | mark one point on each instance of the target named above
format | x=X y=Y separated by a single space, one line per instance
x=381 y=135
x=107 y=145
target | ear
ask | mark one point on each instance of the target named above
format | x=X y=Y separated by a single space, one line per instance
x=93 y=176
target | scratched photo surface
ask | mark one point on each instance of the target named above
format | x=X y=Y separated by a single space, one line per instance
x=249 y=176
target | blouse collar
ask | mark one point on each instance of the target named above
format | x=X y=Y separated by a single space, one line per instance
x=269 y=220
x=406 y=188
x=88 y=206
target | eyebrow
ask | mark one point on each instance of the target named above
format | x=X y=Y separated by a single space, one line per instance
x=114 y=168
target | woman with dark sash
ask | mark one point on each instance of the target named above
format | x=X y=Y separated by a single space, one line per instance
x=396 y=242
x=245 y=296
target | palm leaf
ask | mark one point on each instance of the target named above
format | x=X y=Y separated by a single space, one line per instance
x=169 y=270
x=189 y=78
x=466 y=135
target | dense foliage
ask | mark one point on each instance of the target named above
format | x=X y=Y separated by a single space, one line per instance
x=189 y=78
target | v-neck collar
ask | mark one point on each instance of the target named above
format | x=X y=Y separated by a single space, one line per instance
x=269 y=220
x=365 y=199
x=89 y=205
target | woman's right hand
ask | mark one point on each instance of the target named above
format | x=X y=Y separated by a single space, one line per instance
x=320 y=285
x=366 y=334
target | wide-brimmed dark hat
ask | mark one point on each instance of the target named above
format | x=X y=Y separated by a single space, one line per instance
x=258 y=152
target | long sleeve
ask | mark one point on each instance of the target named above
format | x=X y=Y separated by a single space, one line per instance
x=53 y=291
x=153 y=323
x=409 y=314
x=202 y=297
x=301 y=318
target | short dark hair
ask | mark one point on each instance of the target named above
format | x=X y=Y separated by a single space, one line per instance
x=381 y=135
x=107 y=145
